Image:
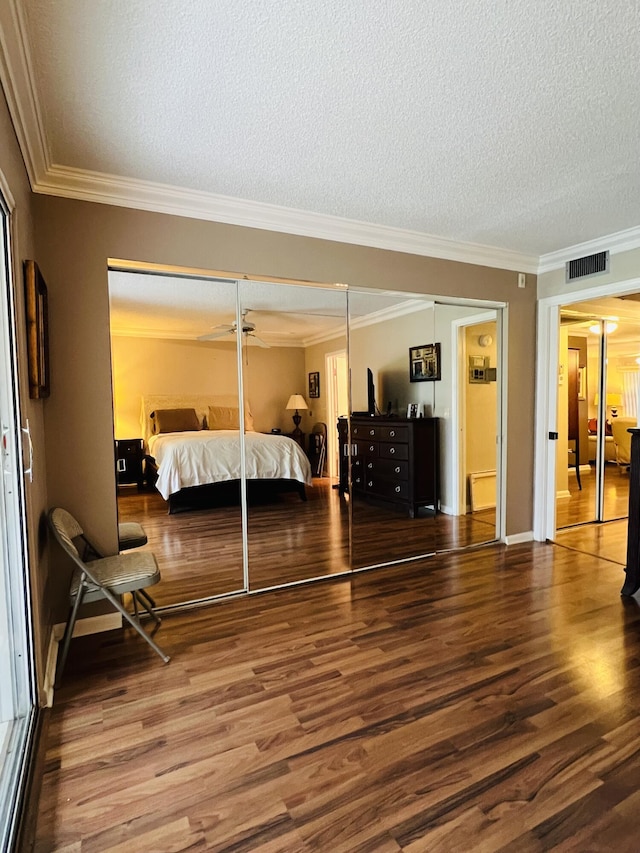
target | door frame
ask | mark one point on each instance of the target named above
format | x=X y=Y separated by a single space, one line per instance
x=331 y=361
x=546 y=417
x=458 y=468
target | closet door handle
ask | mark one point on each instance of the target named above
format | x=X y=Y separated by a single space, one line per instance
x=29 y=471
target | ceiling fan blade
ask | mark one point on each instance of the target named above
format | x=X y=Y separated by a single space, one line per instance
x=258 y=341
x=224 y=333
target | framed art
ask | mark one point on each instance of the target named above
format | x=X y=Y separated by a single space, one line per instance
x=36 y=308
x=314 y=384
x=424 y=363
x=415 y=410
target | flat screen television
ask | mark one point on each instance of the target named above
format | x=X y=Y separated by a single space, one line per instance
x=371 y=393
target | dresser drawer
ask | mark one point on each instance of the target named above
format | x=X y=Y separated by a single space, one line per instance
x=393 y=433
x=380 y=433
x=398 y=489
x=393 y=451
x=366 y=448
x=388 y=468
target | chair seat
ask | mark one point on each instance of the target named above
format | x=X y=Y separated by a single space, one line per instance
x=131 y=535
x=120 y=573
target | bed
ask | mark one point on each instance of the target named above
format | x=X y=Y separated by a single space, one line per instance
x=194 y=446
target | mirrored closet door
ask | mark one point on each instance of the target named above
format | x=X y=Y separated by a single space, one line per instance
x=297 y=526
x=392 y=435
x=468 y=402
x=175 y=362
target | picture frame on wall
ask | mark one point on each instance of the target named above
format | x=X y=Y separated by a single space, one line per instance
x=37 y=314
x=314 y=384
x=424 y=363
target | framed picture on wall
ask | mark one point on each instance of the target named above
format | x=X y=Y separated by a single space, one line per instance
x=424 y=363
x=314 y=384
x=36 y=306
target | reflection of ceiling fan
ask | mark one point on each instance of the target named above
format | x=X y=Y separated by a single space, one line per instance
x=225 y=329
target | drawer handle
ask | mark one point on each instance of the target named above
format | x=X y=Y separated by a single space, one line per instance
x=397 y=469
x=372 y=432
x=397 y=488
x=392 y=433
x=392 y=450
x=370 y=483
x=372 y=447
x=370 y=465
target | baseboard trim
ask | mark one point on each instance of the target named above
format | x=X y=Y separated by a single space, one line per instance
x=517 y=538
x=563 y=493
x=91 y=625
x=83 y=627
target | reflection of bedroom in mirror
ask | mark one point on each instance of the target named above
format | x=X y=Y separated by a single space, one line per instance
x=187 y=349
x=176 y=384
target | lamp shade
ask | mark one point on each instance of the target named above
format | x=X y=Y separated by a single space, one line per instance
x=297 y=401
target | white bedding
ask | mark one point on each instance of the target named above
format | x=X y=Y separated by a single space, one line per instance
x=186 y=459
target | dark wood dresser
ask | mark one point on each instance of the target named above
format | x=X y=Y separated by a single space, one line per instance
x=392 y=459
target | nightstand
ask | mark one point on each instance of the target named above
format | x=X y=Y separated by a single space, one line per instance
x=129 y=458
x=299 y=438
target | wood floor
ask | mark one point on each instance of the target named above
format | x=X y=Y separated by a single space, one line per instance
x=481 y=701
x=200 y=551
x=606 y=539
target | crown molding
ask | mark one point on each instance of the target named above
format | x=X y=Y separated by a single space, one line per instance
x=162 y=198
x=17 y=77
x=621 y=241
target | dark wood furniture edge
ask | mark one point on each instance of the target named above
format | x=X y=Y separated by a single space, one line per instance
x=632 y=566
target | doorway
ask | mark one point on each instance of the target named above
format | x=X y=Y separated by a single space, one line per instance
x=589 y=405
x=337 y=373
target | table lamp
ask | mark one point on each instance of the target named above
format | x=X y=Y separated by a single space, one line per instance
x=297 y=402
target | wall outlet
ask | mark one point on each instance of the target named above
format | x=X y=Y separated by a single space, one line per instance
x=522 y=279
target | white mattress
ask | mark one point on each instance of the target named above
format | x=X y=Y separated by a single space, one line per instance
x=186 y=459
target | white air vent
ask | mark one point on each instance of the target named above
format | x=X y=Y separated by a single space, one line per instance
x=589 y=265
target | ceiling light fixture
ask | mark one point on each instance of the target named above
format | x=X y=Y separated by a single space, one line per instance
x=610 y=326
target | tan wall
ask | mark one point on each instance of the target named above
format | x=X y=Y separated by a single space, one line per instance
x=148 y=366
x=22 y=237
x=74 y=241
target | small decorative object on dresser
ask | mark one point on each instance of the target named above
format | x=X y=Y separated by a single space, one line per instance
x=314 y=384
x=424 y=363
x=415 y=410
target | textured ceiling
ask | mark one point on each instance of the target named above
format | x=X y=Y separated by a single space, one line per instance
x=498 y=122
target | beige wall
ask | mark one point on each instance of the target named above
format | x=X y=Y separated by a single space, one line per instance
x=149 y=366
x=22 y=238
x=74 y=240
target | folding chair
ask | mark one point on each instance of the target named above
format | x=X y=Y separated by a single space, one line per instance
x=103 y=577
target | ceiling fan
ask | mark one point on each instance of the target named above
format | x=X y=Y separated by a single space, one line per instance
x=223 y=330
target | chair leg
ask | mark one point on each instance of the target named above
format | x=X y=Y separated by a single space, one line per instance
x=68 y=634
x=148 y=607
x=145 y=595
x=134 y=624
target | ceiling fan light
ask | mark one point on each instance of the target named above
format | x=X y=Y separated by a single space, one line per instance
x=610 y=326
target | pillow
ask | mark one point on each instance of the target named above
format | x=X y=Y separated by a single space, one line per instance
x=175 y=420
x=228 y=417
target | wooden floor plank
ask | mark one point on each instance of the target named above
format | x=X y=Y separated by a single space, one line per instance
x=485 y=700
